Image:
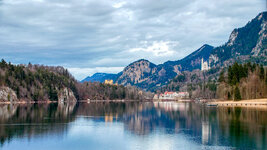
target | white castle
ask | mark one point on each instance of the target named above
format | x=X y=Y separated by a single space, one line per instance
x=204 y=65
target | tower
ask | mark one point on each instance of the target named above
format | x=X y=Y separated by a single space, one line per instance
x=204 y=65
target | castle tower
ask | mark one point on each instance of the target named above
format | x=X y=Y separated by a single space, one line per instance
x=204 y=65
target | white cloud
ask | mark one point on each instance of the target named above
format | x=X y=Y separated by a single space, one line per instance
x=113 y=33
x=119 y=5
x=158 y=49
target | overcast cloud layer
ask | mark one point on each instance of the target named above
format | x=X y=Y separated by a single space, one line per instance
x=88 y=36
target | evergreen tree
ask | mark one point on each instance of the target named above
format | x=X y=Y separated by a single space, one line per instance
x=237 y=94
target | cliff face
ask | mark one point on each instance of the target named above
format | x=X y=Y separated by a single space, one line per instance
x=137 y=72
x=7 y=94
x=66 y=95
x=248 y=43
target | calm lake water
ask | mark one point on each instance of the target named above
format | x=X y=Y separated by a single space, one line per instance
x=135 y=125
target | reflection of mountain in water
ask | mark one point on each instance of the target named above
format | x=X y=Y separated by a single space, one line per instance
x=237 y=127
x=20 y=120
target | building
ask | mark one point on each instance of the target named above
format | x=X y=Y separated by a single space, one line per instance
x=183 y=95
x=109 y=82
x=172 y=95
x=204 y=65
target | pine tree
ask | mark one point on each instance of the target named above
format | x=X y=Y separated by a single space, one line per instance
x=228 y=95
x=237 y=94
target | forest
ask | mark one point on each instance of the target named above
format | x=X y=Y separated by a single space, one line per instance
x=199 y=84
x=101 y=91
x=242 y=81
x=236 y=82
x=41 y=83
x=36 y=82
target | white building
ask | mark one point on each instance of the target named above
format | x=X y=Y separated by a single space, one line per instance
x=172 y=95
x=204 y=65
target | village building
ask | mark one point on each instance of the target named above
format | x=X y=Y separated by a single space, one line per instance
x=110 y=82
x=171 y=95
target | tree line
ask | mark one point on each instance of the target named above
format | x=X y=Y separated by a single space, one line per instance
x=243 y=81
x=101 y=91
x=38 y=82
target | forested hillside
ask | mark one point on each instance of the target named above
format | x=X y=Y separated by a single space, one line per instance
x=199 y=84
x=35 y=82
x=42 y=83
x=236 y=82
x=100 y=91
x=247 y=81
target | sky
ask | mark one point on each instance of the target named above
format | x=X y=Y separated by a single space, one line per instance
x=89 y=36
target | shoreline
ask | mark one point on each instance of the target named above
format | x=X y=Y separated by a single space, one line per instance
x=243 y=103
x=80 y=101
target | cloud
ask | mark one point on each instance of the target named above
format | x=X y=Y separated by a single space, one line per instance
x=100 y=33
x=157 y=48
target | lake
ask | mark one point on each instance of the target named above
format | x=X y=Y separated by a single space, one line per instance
x=131 y=126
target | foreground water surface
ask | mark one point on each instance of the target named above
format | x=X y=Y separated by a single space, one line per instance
x=133 y=125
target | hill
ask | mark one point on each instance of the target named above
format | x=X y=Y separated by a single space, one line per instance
x=100 y=77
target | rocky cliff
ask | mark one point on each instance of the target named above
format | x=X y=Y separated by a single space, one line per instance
x=66 y=95
x=7 y=94
x=248 y=43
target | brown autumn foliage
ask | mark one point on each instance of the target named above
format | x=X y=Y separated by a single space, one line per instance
x=251 y=82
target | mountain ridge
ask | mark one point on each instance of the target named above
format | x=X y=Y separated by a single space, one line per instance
x=248 y=43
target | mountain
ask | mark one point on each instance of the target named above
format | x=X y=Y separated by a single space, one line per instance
x=192 y=61
x=138 y=73
x=100 y=77
x=147 y=75
x=248 y=43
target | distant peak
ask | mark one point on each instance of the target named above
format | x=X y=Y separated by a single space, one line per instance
x=262 y=15
x=142 y=60
x=207 y=45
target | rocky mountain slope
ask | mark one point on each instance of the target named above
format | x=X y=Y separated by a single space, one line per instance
x=248 y=43
x=147 y=75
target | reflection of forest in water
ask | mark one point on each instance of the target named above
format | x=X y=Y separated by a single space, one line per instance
x=237 y=127
x=28 y=120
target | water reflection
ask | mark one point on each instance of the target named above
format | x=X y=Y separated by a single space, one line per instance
x=28 y=120
x=231 y=127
